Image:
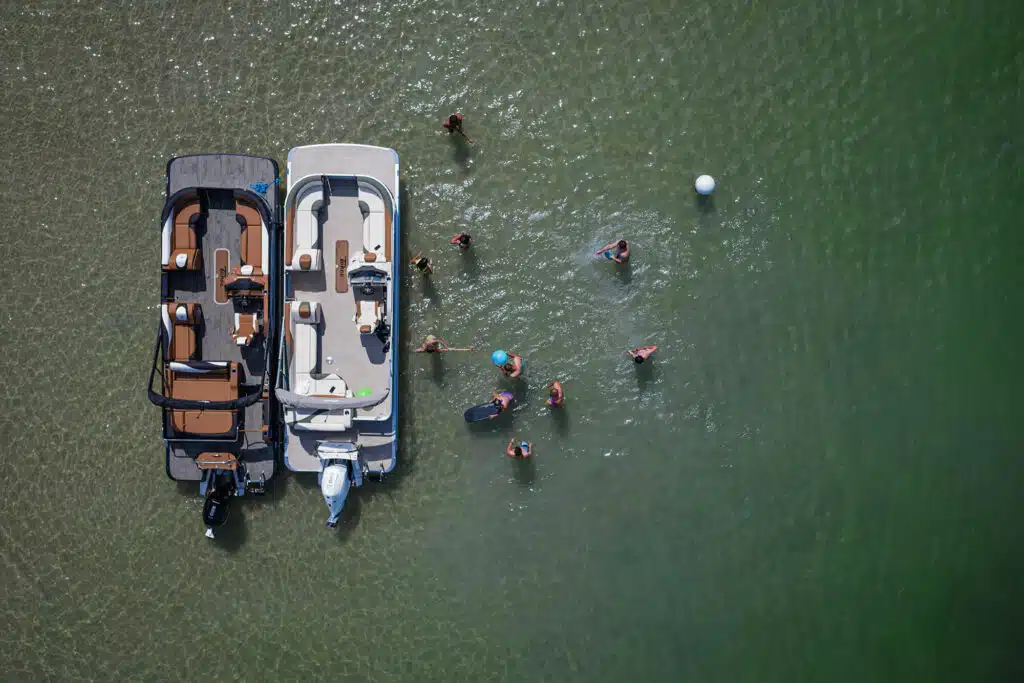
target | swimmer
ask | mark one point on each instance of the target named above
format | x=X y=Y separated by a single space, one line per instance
x=425 y=265
x=463 y=239
x=641 y=353
x=432 y=344
x=454 y=123
x=556 y=397
x=524 y=449
x=501 y=402
x=620 y=253
x=510 y=364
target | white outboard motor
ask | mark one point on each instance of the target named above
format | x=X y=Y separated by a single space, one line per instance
x=336 y=459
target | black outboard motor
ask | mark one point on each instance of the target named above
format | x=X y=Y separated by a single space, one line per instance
x=215 y=509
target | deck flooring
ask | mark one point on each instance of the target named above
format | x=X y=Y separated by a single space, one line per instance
x=223 y=173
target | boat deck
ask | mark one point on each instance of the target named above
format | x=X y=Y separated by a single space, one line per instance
x=221 y=232
x=361 y=360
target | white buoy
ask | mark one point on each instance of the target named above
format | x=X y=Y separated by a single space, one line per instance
x=705 y=185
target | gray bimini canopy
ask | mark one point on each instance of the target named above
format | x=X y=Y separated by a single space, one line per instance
x=290 y=399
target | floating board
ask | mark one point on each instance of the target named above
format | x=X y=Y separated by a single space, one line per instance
x=484 y=411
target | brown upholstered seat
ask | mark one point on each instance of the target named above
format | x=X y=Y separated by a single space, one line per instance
x=252 y=235
x=184 y=240
x=246 y=326
x=182 y=344
x=210 y=386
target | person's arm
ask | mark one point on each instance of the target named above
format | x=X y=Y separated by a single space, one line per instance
x=455 y=240
x=508 y=449
x=518 y=364
x=430 y=267
x=530 y=452
x=416 y=258
x=422 y=348
x=617 y=259
x=605 y=248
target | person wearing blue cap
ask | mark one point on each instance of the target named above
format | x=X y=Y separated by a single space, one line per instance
x=510 y=364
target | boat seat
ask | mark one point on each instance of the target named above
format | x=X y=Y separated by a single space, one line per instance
x=180 y=321
x=246 y=327
x=375 y=234
x=254 y=248
x=304 y=420
x=367 y=314
x=305 y=338
x=308 y=255
x=208 y=382
x=180 y=248
x=217 y=461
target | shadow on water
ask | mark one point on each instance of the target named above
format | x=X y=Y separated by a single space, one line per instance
x=560 y=418
x=470 y=263
x=460 y=152
x=705 y=203
x=502 y=423
x=437 y=368
x=624 y=272
x=646 y=374
x=430 y=292
x=352 y=513
x=525 y=471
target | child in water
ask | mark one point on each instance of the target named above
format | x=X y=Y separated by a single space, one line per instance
x=556 y=397
x=642 y=353
x=523 y=450
x=501 y=402
x=463 y=239
x=615 y=251
x=425 y=265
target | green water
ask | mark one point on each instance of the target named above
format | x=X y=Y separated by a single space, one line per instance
x=818 y=479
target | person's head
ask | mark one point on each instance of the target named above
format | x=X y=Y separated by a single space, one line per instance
x=622 y=244
x=638 y=358
x=518 y=450
x=464 y=239
x=496 y=403
x=422 y=262
x=453 y=120
x=508 y=367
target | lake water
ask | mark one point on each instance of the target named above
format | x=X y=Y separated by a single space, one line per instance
x=817 y=479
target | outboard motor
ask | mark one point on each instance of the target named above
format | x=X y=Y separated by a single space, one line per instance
x=215 y=509
x=335 y=460
x=334 y=484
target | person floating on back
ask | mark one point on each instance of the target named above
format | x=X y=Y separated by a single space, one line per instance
x=432 y=344
x=642 y=353
x=425 y=265
x=454 y=124
x=556 y=397
x=615 y=251
x=509 y=363
x=524 y=449
x=501 y=402
x=463 y=239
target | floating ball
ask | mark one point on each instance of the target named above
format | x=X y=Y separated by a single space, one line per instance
x=705 y=185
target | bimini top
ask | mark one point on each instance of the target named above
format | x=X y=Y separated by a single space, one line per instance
x=292 y=400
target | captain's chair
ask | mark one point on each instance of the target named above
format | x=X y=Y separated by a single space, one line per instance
x=246 y=327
